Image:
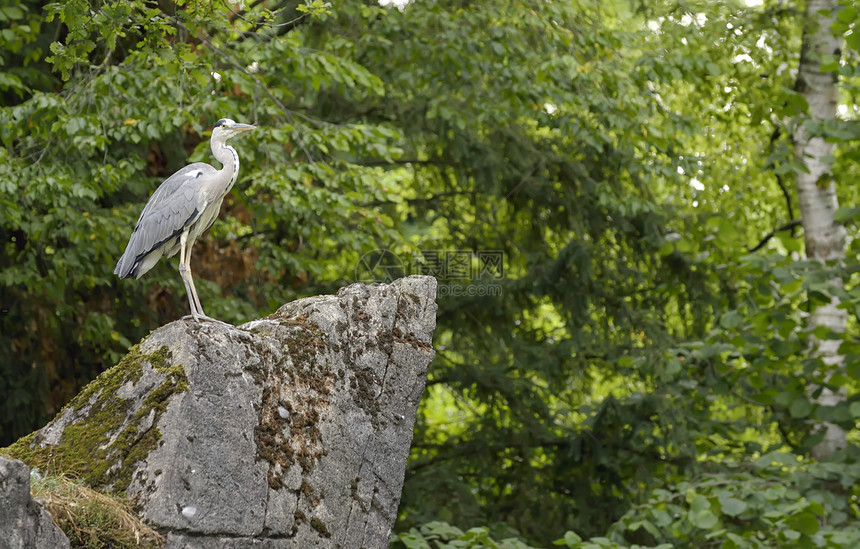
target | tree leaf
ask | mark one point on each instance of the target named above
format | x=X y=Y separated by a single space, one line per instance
x=732 y=506
x=805 y=523
x=800 y=408
x=704 y=519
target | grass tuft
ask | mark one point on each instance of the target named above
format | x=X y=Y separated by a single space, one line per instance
x=92 y=520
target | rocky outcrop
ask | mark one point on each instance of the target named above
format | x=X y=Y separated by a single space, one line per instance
x=287 y=432
x=24 y=524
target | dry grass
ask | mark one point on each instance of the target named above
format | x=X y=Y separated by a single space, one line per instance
x=92 y=520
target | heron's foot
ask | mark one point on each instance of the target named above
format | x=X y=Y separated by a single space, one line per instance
x=204 y=318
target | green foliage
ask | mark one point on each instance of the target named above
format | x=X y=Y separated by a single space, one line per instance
x=636 y=369
x=773 y=501
x=441 y=535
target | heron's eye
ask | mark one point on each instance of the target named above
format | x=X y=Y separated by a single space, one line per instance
x=222 y=122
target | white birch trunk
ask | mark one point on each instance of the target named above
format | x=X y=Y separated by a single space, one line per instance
x=816 y=190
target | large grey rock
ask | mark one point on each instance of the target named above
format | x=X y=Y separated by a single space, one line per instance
x=287 y=432
x=24 y=524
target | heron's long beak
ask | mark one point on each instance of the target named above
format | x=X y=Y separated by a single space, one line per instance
x=242 y=127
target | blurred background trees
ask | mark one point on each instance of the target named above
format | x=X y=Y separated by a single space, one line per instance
x=605 y=192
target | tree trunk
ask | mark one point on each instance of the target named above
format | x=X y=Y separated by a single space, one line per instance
x=816 y=191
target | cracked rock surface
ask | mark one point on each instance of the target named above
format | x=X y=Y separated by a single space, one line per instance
x=290 y=431
x=24 y=524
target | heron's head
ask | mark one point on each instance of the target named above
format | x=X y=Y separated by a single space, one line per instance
x=225 y=129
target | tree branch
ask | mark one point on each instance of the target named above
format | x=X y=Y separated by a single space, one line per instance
x=790 y=226
x=397 y=162
x=777 y=132
x=431 y=198
x=287 y=112
x=787 y=200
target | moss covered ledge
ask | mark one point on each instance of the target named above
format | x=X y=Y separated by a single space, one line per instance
x=96 y=437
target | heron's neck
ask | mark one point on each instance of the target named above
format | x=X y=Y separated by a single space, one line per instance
x=227 y=155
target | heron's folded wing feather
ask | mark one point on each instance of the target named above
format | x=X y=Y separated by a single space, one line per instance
x=172 y=207
x=183 y=181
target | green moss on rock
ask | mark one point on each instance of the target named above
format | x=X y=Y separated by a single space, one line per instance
x=104 y=440
x=320 y=527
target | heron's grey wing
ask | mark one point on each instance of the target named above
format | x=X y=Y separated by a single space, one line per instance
x=172 y=207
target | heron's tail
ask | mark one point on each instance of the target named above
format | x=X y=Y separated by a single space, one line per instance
x=124 y=266
x=128 y=265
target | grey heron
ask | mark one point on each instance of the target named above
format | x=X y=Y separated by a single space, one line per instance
x=182 y=208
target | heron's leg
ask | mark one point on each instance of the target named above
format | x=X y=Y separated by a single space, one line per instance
x=185 y=273
x=194 y=296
